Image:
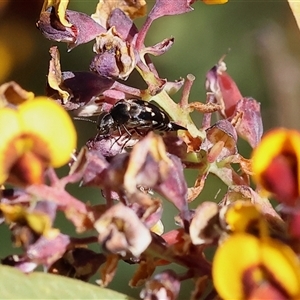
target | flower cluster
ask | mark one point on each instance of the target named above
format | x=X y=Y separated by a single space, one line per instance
x=137 y=160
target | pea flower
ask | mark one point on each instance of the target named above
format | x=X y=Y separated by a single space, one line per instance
x=249 y=255
x=35 y=134
x=275 y=164
x=258 y=268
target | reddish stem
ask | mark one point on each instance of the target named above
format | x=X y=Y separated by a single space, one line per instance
x=206 y=121
x=184 y=101
x=198 y=266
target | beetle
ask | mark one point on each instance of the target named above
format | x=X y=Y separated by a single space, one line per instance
x=137 y=115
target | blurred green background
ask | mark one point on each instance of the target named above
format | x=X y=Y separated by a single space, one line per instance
x=264 y=61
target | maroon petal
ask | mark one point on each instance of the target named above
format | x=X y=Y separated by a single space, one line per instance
x=52 y=29
x=162 y=8
x=174 y=187
x=160 y=48
x=123 y=24
x=224 y=88
x=95 y=165
x=169 y=8
x=250 y=127
x=86 y=27
x=83 y=30
x=83 y=87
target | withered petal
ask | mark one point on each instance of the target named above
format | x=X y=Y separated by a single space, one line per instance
x=108 y=269
x=115 y=56
x=165 y=285
x=132 y=9
x=168 y=8
x=160 y=48
x=123 y=24
x=148 y=163
x=205 y=226
x=143 y=272
x=55 y=79
x=83 y=30
x=121 y=231
x=83 y=87
x=47 y=250
x=174 y=187
x=221 y=141
x=13 y=93
x=50 y=26
x=250 y=127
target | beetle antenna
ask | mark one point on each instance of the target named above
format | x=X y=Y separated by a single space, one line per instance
x=85 y=119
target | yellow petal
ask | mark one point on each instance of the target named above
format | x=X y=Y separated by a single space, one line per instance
x=269 y=147
x=60 y=9
x=215 y=1
x=10 y=148
x=55 y=76
x=265 y=257
x=234 y=257
x=39 y=222
x=158 y=228
x=295 y=7
x=243 y=216
x=283 y=264
x=45 y=119
x=6 y=59
x=275 y=142
x=295 y=143
x=133 y=9
x=12 y=213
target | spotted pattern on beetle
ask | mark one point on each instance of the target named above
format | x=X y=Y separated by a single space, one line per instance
x=135 y=114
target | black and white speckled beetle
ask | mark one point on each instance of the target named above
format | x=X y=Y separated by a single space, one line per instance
x=135 y=115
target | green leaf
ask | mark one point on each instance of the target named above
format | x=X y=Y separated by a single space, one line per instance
x=16 y=285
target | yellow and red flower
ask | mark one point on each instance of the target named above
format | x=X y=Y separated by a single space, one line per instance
x=250 y=264
x=246 y=267
x=275 y=164
x=35 y=134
